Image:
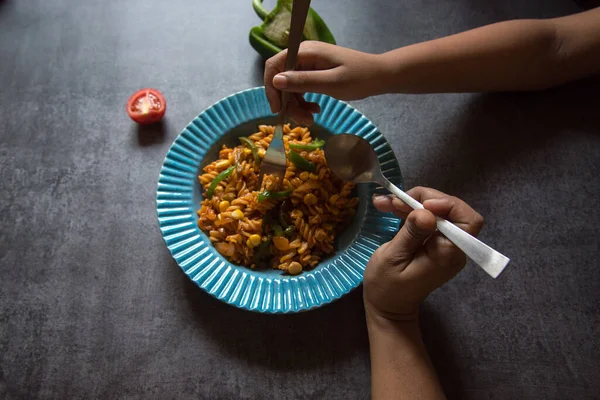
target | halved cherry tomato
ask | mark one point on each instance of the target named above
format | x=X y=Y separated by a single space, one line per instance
x=146 y=106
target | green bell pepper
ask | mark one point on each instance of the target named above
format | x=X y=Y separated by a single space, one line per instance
x=277 y=230
x=281 y=217
x=273 y=195
x=290 y=230
x=264 y=250
x=213 y=185
x=271 y=37
x=301 y=162
x=315 y=144
x=250 y=144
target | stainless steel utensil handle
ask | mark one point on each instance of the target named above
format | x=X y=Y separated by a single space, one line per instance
x=299 y=13
x=487 y=258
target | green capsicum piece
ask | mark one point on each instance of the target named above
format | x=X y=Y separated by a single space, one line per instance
x=263 y=251
x=301 y=162
x=273 y=195
x=250 y=144
x=281 y=217
x=315 y=144
x=277 y=230
x=271 y=37
x=267 y=220
x=213 y=185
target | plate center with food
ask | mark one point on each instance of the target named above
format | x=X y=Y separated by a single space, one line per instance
x=288 y=226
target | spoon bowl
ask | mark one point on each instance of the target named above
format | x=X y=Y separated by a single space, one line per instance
x=352 y=158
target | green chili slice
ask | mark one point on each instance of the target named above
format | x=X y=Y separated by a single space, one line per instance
x=263 y=251
x=213 y=185
x=277 y=231
x=282 y=220
x=273 y=195
x=301 y=162
x=250 y=144
x=315 y=144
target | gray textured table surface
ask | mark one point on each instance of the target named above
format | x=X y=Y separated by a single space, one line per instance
x=91 y=304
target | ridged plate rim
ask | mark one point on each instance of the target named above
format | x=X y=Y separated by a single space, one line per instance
x=240 y=286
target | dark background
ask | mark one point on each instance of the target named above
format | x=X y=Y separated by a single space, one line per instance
x=93 y=306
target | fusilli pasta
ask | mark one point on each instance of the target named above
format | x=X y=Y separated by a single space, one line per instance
x=291 y=232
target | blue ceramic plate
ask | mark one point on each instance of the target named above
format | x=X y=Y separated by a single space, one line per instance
x=179 y=194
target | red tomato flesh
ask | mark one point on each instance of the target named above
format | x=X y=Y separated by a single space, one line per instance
x=146 y=106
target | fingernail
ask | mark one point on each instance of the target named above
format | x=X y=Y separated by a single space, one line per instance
x=280 y=81
x=378 y=196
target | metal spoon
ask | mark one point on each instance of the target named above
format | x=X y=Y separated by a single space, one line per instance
x=352 y=158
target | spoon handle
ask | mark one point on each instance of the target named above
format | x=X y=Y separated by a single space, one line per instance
x=483 y=255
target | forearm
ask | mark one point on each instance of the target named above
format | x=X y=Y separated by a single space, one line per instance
x=400 y=367
x=507 y=56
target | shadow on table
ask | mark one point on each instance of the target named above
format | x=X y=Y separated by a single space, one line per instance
x=497 y=130
x=587 y=4
x=148 y=135
x=320 y=337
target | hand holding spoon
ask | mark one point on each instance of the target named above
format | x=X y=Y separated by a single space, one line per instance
x=352 y=158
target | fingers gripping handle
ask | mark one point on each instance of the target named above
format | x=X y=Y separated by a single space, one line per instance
x=483 y=255
x=490 y=260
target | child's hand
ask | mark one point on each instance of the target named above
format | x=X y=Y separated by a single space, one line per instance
x=321 y=68
x=418 y=260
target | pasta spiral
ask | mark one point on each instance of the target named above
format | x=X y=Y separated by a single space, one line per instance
x=298 y=227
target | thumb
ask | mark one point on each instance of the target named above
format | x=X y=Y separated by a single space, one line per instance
x=419 y=225
x=305 y=81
